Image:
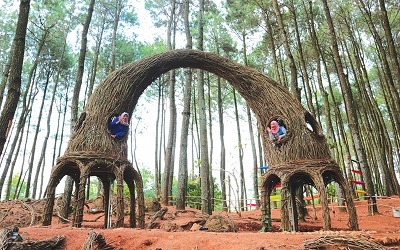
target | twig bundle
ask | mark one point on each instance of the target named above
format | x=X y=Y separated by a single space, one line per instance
x=342 y=240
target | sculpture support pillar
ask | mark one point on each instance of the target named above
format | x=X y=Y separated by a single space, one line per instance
x=132 y=207
x=351 y=210
x=119 y=174
x=323 y=198
x=294 y=217
x=106 y=202
x=285 y=223
x=78 y=216
x=48 y=208
x=266 y=210
x=140 y=202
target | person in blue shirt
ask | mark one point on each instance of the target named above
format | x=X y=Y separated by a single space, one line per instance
x=119 y=126
x=276 y=132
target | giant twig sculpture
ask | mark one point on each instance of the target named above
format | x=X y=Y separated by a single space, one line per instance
x=302 y=157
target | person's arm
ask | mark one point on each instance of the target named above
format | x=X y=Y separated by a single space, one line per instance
x=119 y=134
x=114 y=121
x=271 y=136
x=283 y=132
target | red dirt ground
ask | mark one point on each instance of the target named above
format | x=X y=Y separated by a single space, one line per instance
x=383 y=228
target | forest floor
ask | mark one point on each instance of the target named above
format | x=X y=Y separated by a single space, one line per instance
x=186 y=230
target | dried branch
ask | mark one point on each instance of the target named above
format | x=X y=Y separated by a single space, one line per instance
x=342 y=240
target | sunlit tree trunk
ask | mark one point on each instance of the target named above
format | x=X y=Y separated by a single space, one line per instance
x=204 y=160
x=170 y=146
x=240 y=155
x=49 y=123
x=211 y=141
x=33 y=150
x=183 y=161
x=156 y=146
x=195 y=136
x=255 y=161
x=222 y=173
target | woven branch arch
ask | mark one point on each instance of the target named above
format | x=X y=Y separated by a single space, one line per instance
x=121 y=90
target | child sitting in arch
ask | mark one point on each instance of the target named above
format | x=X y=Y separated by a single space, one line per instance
x=276 y=132
x=119 y=126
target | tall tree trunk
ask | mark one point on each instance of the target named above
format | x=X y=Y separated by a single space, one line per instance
x=211 y=141
x=117 y=14
x=162 y=134
x=74 y=103
x=64 y=112
x=6 y=73
x=12 y=164
x=157 y=172
x=251 y=135
x=81 y=65
x=33 y=149
x=240 y=154
x=393 y=103
x=14 y=84
x=390 y=43
x=324 y=94
x=49 y=121
x=326 y=106
x=195 y=136
x=183 y=161
x=26 y=106
x=21 y=178
x=170 y=147
x=271 y=41
x=222 y=173
x=96 y=59
x=42 y=155
x=255 y=161
x=380 y=137
x=351 y=114
x=306 y=78
x=205 y=167
x=26 y=109
x=293 y=70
